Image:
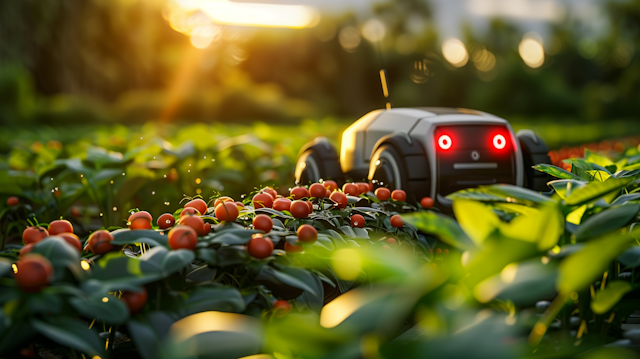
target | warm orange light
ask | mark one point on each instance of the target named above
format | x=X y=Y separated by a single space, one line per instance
x=455 y=52
x=531 y=50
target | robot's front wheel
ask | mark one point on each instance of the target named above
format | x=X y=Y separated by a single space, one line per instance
x=386 y=169
x=318 y=160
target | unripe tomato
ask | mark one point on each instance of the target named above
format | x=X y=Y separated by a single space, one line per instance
x=34 y=273
x=383 y=194
x=34 y=234
x=391 y=241
x=262 y=200
x=135 y=301
x=270 y=191
x=222 y=199
x=310 y=205
x=183 y=237
x=260 y=247
x=351 y=189
x=13 y=201
x=307 y=233
x=206 y=229
x=340 y=198
x=189 y=211
x=281 y=308
x=100 y=242
x=299 y=209
x=60 y=226
x=72 y=239
x=140 y=220
x=263 y=223
x=198 y=204
x=292 y=248
x=194 y=222
x=399 y=195
x=26 y=249
x=363 y=187
x=396 y=221
x=282 y=204
x=426 y=202
x=299 y=192
x=317 y=190
x=357 y=221
x=166 y=220
x=330 y=185
x=227 y=211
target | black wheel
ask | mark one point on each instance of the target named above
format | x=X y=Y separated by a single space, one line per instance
x=318 y=160
x=534 y=151
x=401 y=163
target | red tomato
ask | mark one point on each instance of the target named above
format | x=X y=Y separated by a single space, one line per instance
x=34 y=234
x=281 y=308
x=222 y=199
x=194 y=222
x=72 y=239
x=189 y=211
x=391 y=241
x=328 y=194
x=183 y=237
x=13 y=201
x=282 y=204
x=438 y=251
x=60 y=226
x=140 y=220
x=363 y=187
x=370 y=186
x=206 y=229
x=310 y=205
x=270 y=191
x=351 y=189
x=396 y=221
x=299 y=209
x=34 y=273
x=292 y=248
x=307 y=233
x=100 y=242
x=263 y=223
x=330 y=185
x=399 y=195
x=26 y=249
x=262 y=200
x=227 y=211
x=240 y=205
x=140 y=214
x=317 y=190
x=426 y=202
x=340 y=198
x=260 y=247
x=135 y=301
x=166 y=220
x=383 y=194
x=357 y=221
x=75 y=212
x=299 y=192
x=198 y=204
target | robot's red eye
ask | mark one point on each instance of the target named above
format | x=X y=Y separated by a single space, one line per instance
x=499 y=142
x=444 y=142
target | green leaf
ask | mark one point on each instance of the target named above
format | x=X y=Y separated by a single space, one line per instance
x=210 y=297
x=626 y=197
x=596 y=158
x=72 y=333
x=595 y=190
x=543 y=227
x=477 y=219
x=610 y=219
x=116 y=271
x=126 y=236
x=5 y=266
x=630 y=257
x=511 y=193
x=607 y=298
x=208 y=255
x=112 y=312
x=289 y=276
x=592 y=261
x=555 y=171
x=62 y=256
x=565 y=187
x=232 y=255
x=441 y=226
x=168 y=262
x=149 y=331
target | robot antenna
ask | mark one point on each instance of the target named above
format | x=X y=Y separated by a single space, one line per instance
x=385 y=88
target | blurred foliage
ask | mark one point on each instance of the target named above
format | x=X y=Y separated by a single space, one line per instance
x=73 y=61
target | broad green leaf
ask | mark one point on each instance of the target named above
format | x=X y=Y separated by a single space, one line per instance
x=112 y=312
x=596 y=158
x=475 y=194
x=116 y=271
x=288 y=276
x=575 y=217
x=608 y=220
x=476 y=219
x=210 y=297
x=517 y=194
x=5 y=266
x=544 y=227
x=592 y=260
x=441 y=226
x=607 y=298
x=585 y=165
x=149 y=331
x=630 y=257
x=565 y=187
x=150 y=237
x=626 y=197
x=62 y=256
x=168 y=262
x=595 y=190
x=631 y=167
x=72 y=333
x=598 y=175
x=555 y=171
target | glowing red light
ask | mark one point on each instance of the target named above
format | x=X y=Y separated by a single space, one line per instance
x=499 y=141
x=444 y=142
